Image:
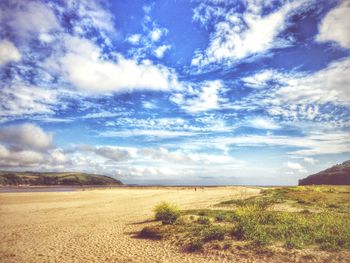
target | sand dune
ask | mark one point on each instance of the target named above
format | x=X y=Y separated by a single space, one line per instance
x=99 y=225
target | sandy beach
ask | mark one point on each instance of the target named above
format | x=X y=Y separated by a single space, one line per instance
x=100 y=225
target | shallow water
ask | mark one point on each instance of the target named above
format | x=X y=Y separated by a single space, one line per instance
x=38 y=189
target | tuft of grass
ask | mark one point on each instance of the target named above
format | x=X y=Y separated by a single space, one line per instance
x=213 y=233
x=167 y=213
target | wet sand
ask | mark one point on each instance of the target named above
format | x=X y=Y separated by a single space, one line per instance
x=100 y=225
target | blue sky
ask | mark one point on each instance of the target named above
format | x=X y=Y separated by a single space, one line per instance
x=175 y=92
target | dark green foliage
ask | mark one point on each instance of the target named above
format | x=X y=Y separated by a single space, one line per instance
x=194 y=245
x=36 y=178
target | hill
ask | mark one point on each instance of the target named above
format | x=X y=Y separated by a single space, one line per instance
x=67 y=178
x=336 y=175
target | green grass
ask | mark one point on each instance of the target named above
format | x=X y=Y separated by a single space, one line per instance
x=322 y=220
x=167 y=213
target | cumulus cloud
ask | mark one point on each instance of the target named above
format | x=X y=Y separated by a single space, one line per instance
x=27 y=145
x=28 y=18
x=25 y=136
x=237 y=36
x=8 y=52
x=335 y=26
x=111 y=153
x=295 y=166
x=84 y=68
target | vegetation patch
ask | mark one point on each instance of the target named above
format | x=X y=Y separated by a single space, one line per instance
x=256 y=223
x=167 y=213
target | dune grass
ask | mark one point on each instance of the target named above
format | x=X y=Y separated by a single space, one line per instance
x=322 y=220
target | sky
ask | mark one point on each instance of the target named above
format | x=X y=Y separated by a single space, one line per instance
x=175 y=91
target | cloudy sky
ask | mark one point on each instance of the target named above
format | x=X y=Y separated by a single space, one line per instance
x=175 y=92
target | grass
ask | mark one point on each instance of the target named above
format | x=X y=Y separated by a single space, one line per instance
x=322 y=220
x=167 y=213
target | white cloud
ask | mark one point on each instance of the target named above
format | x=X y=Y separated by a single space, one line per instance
x=327 y=85
x=26 y=136
x=86 y=70
x=238 y=36
x=20 y=100
x=27 y=145
x=157 y=33
x=149 y=105
x=198 y=100
x=160 y=51
x=149 y=133
x=185 y=158
x=102 y=114
x=18 y=159
x=8 y=52
x=26 y=18
x=313 y=143
x=310 y=160
x=295 y=166
x=263 y=123
x=260 y=79
x=134 y=39
x=297 y=96
x=336 y=25
x=108 y=152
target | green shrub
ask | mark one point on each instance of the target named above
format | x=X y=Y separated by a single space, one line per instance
x=167 y=213
x=203 y=220
x=213 y=233
x=150 y=232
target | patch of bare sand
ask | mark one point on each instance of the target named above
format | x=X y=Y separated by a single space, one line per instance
x=99 y=225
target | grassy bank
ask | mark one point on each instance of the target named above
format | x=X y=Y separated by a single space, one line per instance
x=289 y=217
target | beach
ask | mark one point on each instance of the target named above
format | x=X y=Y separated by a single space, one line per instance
x=95 y=225
x=100 y=225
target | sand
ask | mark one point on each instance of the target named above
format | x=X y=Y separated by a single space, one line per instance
x=100 y=225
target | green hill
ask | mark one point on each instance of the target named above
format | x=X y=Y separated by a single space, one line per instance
x=67 y=178
x=336 y=175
